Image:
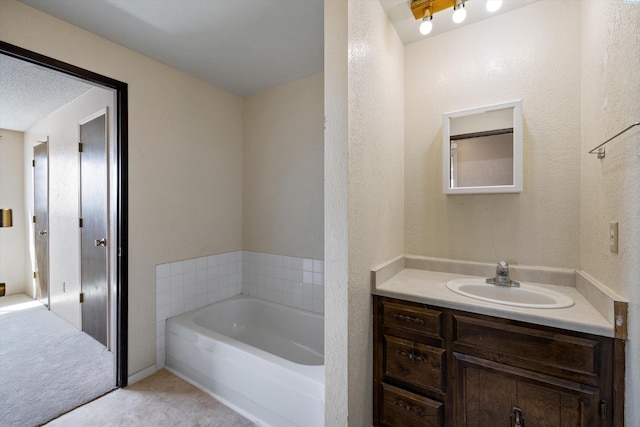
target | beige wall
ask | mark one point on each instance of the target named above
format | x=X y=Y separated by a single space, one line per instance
x=497 y=60
x=336 y=218
x=283 y=170
x=363 y=225
x=376 y=180
x=185 y=158
x=610 y=188
x=63 y=132
x=12 y=240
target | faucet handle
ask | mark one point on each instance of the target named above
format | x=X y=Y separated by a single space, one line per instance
x=502 y=268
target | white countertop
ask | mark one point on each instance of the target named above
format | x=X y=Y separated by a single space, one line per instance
x=429 y=287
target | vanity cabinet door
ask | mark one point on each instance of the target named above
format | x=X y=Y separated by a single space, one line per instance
x=492 y=394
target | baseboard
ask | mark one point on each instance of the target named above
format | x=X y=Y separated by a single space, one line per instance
x=142 y=374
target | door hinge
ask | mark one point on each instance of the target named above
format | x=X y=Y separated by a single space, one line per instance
x=35 y=275
x=81 y=296
x=34 y=219
x=80 y=147
x=33 y=163
x=80 y=222
x=603 y=409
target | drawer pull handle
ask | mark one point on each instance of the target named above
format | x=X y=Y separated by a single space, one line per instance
x=415 y=409
x=517 y=418
x=409 y=319
x=411 y=355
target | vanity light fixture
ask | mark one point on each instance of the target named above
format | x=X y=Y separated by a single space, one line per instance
x=427 y=25
x=493 y=5
x=459 y=12
x=423 y=10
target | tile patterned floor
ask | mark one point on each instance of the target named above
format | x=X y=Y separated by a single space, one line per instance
x=162 y=399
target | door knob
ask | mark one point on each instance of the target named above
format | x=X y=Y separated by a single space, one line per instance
x=43 y=233
x=101 y=242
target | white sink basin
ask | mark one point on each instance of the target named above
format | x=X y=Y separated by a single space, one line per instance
x=529 y=296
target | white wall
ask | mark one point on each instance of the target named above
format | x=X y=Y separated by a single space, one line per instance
x=533 y=54
x=185 y=158
x=610 y=188
x=12 y=240
x=62 y=129
x=283 y=170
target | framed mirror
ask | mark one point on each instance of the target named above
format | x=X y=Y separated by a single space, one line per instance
x=482 y=149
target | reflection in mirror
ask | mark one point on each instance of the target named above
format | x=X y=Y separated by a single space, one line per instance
x=482 y=150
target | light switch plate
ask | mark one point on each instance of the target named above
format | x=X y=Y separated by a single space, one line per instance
x=613 y=237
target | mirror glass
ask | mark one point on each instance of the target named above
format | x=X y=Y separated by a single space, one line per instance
x=482 y=150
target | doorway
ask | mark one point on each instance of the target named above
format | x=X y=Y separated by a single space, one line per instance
x=118 y=198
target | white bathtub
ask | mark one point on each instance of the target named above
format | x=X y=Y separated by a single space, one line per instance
x=263 y=359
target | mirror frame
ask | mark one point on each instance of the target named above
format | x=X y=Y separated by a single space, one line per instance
x=516 y=187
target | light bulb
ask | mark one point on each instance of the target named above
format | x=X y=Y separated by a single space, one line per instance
x=459 y=13
x=426 y=26
x=493 y=5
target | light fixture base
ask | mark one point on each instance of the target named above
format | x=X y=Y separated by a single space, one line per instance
x=420 y=8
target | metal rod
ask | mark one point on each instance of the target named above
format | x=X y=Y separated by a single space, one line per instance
x=601 y=153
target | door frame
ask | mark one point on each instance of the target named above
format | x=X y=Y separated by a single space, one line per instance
x=120 y=251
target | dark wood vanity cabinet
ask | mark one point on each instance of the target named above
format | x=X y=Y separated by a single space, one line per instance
x=410 y=358
x=442 y=367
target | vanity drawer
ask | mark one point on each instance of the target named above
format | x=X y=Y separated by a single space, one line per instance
x=573 y=357
x=415 y=318
x=415 y=363
x=405 y=409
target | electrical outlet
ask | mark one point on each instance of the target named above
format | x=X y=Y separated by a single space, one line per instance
x=613 y=237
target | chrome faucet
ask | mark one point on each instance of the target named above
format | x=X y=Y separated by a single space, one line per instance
x=502 y=276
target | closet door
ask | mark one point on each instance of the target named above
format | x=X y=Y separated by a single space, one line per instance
x=41 y=220
x=93 y=242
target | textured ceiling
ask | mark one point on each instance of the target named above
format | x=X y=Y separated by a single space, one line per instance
x=29 y=93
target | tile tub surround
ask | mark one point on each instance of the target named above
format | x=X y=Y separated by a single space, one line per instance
x=183 y=286
x=292 y=281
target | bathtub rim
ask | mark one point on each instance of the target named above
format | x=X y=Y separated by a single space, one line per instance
x=183 y=323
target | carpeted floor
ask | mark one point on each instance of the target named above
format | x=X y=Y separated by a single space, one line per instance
x=47 y=367
x=161 y=400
